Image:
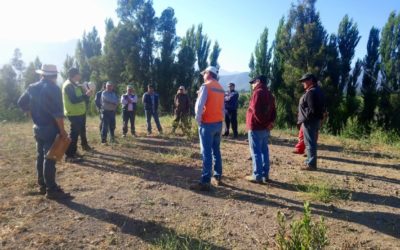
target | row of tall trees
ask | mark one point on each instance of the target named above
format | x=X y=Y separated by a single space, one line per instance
x=140 y=49
x=366 y=94
x=144 y=49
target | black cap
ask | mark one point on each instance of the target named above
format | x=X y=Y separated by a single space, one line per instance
x=308 y=76
x=73 y=72
x=231 y=84
x=262 y=79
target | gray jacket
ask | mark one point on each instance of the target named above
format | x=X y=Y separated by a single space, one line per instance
x=109 y=101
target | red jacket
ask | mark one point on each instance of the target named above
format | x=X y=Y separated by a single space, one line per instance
x=262 y=111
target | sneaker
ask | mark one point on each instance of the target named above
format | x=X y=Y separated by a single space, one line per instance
x=225 y=134
x=148 y=133
x=87 y=148
x=103 y=141
x=58 y=194
x=266 y=180
x=73 y=159
x=42 y=190
x=252 y=180
x=205 y=187
x=215 y=181
x=308 y=168
x=160 y=132
x=124 y=135
x=133 y=134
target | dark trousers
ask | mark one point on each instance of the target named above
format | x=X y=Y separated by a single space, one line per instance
x=128 y=116
x=182 y=119
x=108 y=124
x=46 y=169
x=101 y=121
x=231 y=118
x=84 y=141
x=78 y=125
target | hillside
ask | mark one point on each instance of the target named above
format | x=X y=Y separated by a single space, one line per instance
x=135 y=194
x=241 y=80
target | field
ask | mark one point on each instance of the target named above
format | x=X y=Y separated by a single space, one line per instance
x=135 y=194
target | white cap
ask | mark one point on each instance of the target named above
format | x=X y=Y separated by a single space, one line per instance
x=211 y=69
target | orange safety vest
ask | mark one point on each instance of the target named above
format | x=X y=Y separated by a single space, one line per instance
x=212 y=111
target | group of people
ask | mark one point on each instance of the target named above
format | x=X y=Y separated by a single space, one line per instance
x=48 y=105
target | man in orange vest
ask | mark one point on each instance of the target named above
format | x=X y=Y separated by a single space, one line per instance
x=209 y=109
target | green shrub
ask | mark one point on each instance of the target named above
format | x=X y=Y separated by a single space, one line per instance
x=172 y=241
x=323 y=191
x=12 y=114
x=303 y=234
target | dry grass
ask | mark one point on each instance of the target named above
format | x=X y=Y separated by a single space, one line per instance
x=135 y=194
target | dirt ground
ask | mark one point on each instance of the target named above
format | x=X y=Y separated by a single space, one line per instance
x=131 y=194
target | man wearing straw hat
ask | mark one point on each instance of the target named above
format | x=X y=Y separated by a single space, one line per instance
x=43 y=100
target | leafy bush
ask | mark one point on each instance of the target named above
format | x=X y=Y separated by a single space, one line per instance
x=12 y=114
x=303 y=234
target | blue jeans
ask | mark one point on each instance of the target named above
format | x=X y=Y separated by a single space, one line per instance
x=149 y=114
x=210 y=140
x=46 y=169
x=258 y=142
x=310 y=129
x=108 y=123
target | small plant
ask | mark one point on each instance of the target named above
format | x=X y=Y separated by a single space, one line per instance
x=323 y=192
x=172 y=241
x=303 y=234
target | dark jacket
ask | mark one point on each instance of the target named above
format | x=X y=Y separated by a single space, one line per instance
x=231 y=100
x=97 y=99
x=148 y=105
x=311 y=105
x=262 y=110
x=44 y=101
x=182 y=103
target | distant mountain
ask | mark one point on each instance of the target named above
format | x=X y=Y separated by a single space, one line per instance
x=241 y=80
x=53 y=53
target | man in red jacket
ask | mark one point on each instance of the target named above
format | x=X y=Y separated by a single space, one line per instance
x=260 y=118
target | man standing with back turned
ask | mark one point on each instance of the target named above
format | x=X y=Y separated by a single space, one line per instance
x=43 y=100
x=209 y=109
x=311 y=112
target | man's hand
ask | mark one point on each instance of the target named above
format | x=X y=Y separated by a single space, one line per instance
x=89 y=92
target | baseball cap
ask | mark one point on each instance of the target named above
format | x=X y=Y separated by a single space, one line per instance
x=211 y=69
x=308 y=76
x=262 y=79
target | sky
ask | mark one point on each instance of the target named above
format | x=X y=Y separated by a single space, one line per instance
x=235 y=24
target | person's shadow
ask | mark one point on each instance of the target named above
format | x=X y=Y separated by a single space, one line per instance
x=148 y=231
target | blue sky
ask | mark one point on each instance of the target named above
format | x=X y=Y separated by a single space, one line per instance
x=236 y=24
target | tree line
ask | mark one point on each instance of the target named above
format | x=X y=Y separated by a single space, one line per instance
x=143 y=48
x=140 y=49
x=366 y=94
